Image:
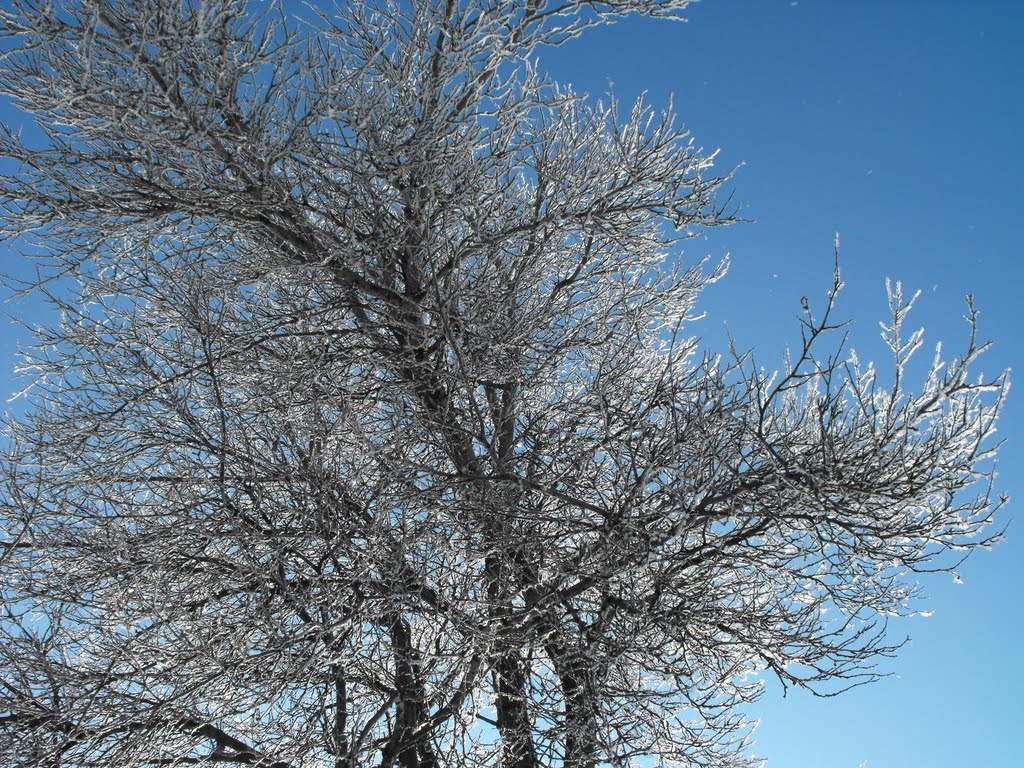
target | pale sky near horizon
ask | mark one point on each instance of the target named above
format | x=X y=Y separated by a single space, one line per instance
x=899 y=125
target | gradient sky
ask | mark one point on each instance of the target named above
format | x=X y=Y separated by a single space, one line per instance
x=898 y=124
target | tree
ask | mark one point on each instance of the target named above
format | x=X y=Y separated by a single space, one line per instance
x=372 y=433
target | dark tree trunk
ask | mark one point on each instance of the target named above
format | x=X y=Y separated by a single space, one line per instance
x=581 y=741
x=510 y=680
x=576 y=674
x=338 y=737
x=513 y=716
x=409 y=744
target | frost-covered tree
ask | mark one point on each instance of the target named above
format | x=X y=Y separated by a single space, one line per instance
x=372 y=433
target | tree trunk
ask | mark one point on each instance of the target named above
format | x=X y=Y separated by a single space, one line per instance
x=406 y=746
x=338 y=736
x=509 y=678
x=576 y=674
x=581 y=740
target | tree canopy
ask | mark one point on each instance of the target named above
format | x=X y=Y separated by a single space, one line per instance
x=373 y=431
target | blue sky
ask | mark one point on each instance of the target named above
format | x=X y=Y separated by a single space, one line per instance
x=897 y=124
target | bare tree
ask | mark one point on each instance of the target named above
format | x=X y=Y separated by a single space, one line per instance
x=372 y=433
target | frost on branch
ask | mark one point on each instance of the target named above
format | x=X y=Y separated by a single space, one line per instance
x=371 y=431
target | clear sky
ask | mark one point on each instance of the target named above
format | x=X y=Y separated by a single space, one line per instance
x=899 y=124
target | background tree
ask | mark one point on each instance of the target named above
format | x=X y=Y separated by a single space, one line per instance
x=372 y=433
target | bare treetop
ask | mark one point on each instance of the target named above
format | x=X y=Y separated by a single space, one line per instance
x=372 y=431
